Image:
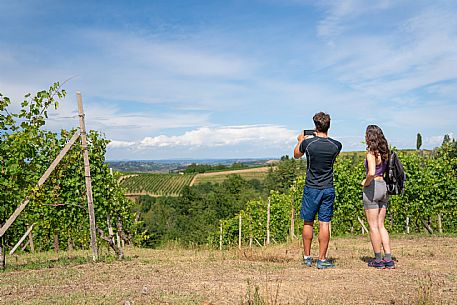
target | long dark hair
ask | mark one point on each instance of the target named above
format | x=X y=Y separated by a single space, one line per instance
x=376 y=142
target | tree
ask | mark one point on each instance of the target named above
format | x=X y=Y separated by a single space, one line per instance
x=418 y=141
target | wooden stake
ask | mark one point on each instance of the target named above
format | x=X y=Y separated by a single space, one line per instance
x=32 y=247
x=250 y=231
x=42 y=180
x=118 y=240
x=110 y=228
x=440 y=225
x=90 y=203
x=363 y=225
x=21 y=240
x=56 y=242
x=268 y=222
x=407 y=224
x=426 y=226
x=292 y=222
x=239 y=234
x=220 y=238
x=2 y=254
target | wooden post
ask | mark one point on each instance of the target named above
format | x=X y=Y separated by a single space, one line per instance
x=70 y=245
x=110 y=228
x=292 y=221
x=407 y=224
x=363 y=225
x=239 y=234
x=32 y=246
x=56 y=242
x=42 y=180
x=21 y=240
x=440 y=225
x=90 y=203
x=220 y=238
x=268 y=222
x=427 y=226
x=2 y=254
x=250 y=231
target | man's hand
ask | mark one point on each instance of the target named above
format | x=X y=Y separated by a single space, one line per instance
x=301 y=137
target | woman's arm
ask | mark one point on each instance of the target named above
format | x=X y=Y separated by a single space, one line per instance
x=371 y=164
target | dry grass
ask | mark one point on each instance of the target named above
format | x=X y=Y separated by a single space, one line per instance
x=426 y=274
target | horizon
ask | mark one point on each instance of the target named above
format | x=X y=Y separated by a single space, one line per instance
x=236 y=79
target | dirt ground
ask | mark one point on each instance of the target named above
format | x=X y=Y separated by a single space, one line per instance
x=426 y=274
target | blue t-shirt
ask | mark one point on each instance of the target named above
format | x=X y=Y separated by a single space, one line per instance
x=320 y=155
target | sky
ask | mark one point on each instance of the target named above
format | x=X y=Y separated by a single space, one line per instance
x=236 y=79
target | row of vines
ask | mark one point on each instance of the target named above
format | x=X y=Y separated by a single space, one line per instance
x=157 y=184
x=59 y=208
x=430 y=200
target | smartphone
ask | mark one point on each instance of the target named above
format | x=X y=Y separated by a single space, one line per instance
x=308 y=132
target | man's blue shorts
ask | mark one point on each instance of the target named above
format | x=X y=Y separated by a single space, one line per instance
x=317 y=201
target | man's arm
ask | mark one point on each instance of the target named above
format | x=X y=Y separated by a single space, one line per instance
x=297 y=152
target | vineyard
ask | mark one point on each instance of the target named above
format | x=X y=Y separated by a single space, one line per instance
x=156 y=184
x=429 y=204
x=57 y=210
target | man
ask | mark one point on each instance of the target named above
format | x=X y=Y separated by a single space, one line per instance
x=318 y=194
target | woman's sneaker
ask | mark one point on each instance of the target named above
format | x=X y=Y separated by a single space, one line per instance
x=375 y=264
x=389 y=264
x=324 y=264
x=308 y=261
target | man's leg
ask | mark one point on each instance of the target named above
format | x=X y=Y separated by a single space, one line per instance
x=324 y=238
x=325 y=217
x=307 y=237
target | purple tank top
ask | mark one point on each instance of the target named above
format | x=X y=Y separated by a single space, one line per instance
x=380 y=168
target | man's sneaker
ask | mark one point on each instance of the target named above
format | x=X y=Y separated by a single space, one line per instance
x=324 y=264
x=308 y=261
x=389 y=264
x=375 y=264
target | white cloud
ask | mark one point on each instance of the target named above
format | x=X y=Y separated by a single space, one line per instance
x=120 y=144
x=253 y=135
x=339 y=14
x=437 y=140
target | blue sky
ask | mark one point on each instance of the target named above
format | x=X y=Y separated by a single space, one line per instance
x=237 y=79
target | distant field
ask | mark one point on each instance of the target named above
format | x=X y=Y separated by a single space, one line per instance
x=155 y=184
x=217 y=177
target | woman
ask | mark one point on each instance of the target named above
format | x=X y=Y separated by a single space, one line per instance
x=375 y=198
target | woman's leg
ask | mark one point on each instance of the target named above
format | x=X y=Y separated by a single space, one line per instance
x=383 y=232
x=375 y=236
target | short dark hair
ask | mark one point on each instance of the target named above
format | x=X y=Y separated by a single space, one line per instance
x=321 y=121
